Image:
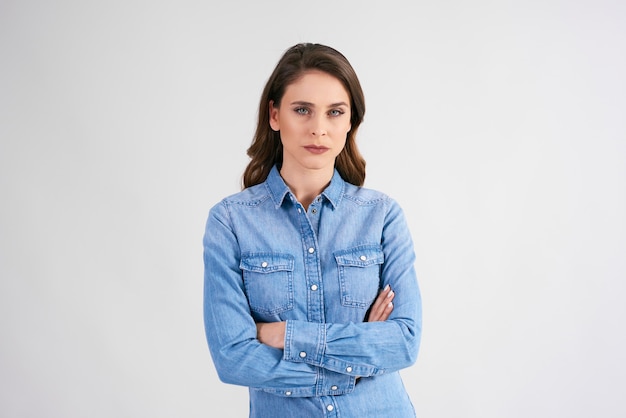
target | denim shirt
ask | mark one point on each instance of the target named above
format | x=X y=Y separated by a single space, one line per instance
x=267 y=259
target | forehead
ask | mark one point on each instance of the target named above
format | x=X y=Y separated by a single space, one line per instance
x=317 y=87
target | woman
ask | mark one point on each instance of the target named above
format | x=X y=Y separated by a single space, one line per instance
x=311 y=298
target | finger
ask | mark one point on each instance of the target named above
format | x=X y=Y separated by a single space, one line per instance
x=386 y=306
x=380 y=304
x=386 y=312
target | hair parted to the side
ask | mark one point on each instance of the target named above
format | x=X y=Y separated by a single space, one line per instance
x=266 y=149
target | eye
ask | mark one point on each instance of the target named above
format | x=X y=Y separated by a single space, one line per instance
x=301 y=110
x=336 y=112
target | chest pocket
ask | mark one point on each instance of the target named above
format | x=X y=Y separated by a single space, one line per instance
x=359 y=274
x=268 y=280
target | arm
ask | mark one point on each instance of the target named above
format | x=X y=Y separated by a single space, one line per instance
x=369 y=348
x=238 y=356
x=273 y=333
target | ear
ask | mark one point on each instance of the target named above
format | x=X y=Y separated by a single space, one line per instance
x=274 y=120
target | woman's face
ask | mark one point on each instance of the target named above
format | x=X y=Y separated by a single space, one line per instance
x=313 y=120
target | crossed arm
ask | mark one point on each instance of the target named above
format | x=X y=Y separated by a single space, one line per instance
x=273 y=333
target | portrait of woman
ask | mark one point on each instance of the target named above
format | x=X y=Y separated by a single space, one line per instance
x=136 y=135
x=310 y=292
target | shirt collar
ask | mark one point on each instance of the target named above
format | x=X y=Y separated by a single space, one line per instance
x=334 y=191
x=278 y=189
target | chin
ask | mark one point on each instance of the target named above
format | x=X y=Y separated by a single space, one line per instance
x=318 y=165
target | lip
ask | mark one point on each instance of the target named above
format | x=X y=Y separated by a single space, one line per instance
x=316 y=149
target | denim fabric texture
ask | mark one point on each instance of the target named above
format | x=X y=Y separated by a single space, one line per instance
x=267 y=259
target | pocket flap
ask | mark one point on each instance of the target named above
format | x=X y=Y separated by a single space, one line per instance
x=266 y=262
x=361 y=256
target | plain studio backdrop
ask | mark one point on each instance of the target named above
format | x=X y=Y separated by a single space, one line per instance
x=500 y=127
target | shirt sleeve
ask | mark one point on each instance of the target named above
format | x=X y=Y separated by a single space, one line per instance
x=369 y=348
x=237 y=354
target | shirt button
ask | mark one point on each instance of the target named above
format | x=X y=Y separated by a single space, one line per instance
x=288 y=393
x=363 y=258
x=348 y=369
x=314 y=287
x=330 y=408
x=334 y=387
x=302 y=354
x=264 y=264
x=314 y=211
x=311 y=250
x=299 y=210
x=319 y=199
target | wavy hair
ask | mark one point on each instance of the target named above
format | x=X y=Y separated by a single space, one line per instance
x=266 y=149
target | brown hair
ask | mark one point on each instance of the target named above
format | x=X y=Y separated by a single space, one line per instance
x=266 y=149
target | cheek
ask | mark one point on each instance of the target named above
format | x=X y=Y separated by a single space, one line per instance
x=291 y=133
x=292 y=123
x=288 y=130
x=342 y=131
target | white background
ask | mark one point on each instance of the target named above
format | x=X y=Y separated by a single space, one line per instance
x=498 y=126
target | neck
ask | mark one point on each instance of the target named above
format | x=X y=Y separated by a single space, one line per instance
x=306 y=184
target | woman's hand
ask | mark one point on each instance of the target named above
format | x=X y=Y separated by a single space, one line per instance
x=382 y=306
x=271 y=333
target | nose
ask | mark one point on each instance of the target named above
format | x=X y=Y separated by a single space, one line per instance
x=318 y=127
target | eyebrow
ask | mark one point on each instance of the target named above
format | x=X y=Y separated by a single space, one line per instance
x=303 y=103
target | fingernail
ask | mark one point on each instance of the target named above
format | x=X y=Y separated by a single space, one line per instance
x=386 y=287
x=390 y=304
x=390 y=294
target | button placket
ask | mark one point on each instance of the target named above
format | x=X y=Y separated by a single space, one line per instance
x=315 y=309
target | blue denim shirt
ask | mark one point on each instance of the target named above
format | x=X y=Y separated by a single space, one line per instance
x=267 y=259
